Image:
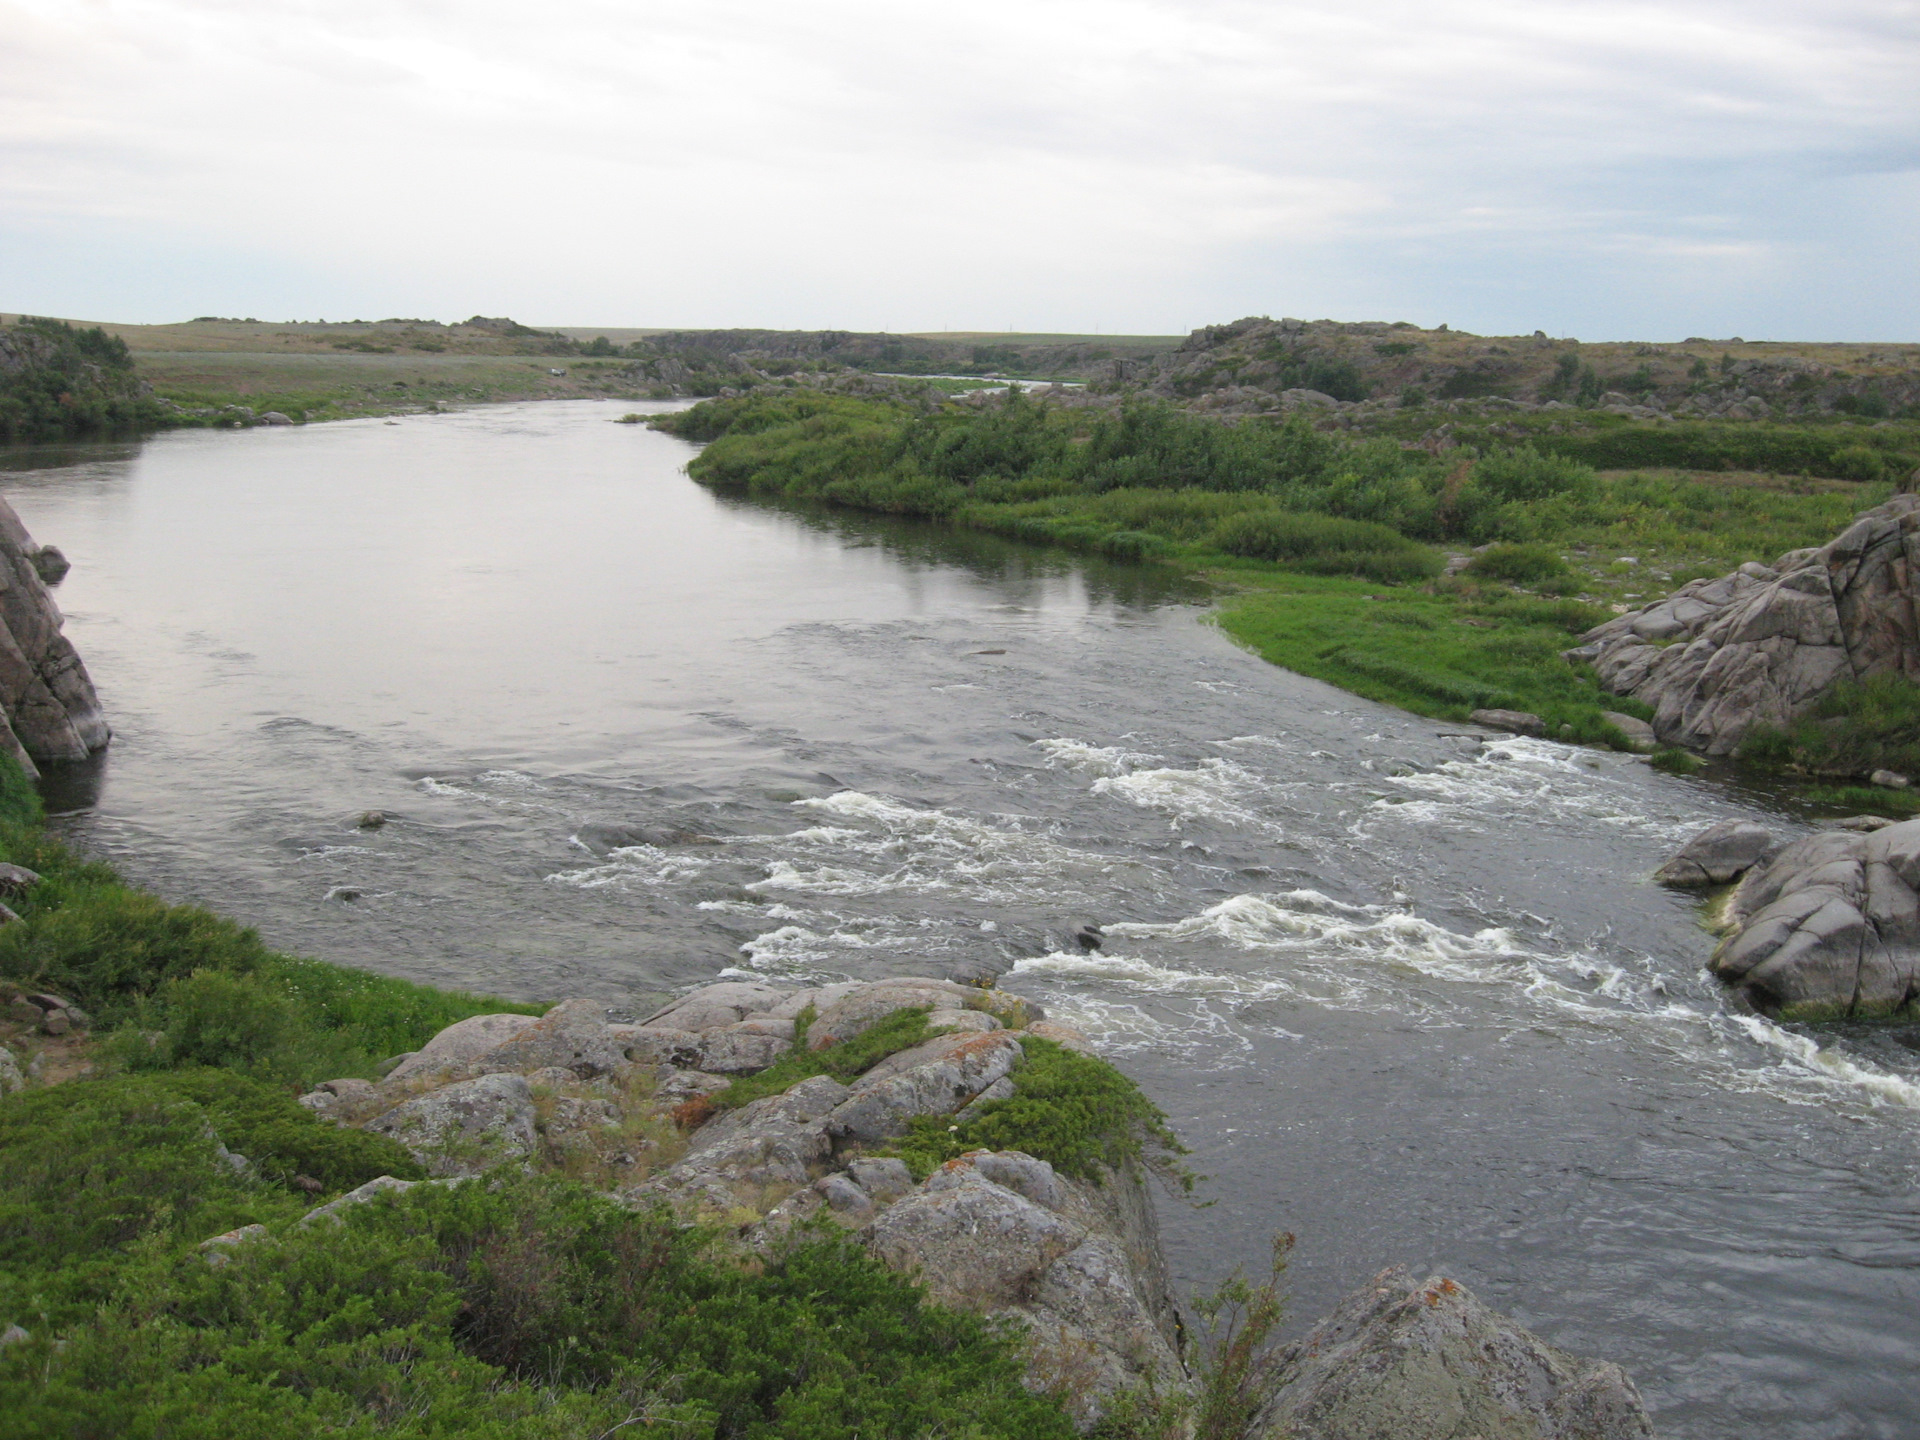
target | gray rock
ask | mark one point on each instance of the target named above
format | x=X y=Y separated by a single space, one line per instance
x=1638 y=732
x=1889 y=780
x=739 y=1052
x=657 y=1045
x=48 y=707
x=1830 y=926
x=219 y=1250
x=884 y=1108
x=883 y=1179
x=844 y=1197
x=1761 y=645
x=1001 y=1089
x=17 y=879
x=671 y=1086
x=1866 y=824
x=383 y=1185
x=976 y=1245
x=460 y=1044
x=573 y=1034
x=11 y=1079
x=1718 y=854
x=14 y=1335
x=867 y=1005
x=1020 y=1173
x=1064 y=1036
x=1517 y=722
x=1430 y=1362
x=466 y=1127
x=713 y=1006
x=337 y=1097
x=55 y=1022
x=274 y=417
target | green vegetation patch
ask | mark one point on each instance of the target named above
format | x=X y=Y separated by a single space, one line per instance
x=844 y=1060
x=58 y=382
x=1076 y=1112
x=1857 y=727
x=526 y=1308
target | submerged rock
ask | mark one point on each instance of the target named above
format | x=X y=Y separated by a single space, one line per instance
x=1430 y=1362
x=1830 y=926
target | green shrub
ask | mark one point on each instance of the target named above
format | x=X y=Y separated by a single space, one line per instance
x=1676 y=762
x=1518 y=564
x=1325 y=544
x=1859 y=462
x=1074 y=1111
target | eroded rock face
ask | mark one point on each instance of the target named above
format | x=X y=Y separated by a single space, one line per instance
x=51 y=712
x=1430 y=1362
x=1830 y=926
x=1761 y=645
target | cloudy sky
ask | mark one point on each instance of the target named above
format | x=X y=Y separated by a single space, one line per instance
x=1588 y=167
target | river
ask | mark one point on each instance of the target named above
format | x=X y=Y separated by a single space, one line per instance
x=1408 y=996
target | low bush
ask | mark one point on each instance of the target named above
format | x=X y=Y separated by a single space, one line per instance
x=1074 y=1111
x=1325 y=545
x=1518 y=564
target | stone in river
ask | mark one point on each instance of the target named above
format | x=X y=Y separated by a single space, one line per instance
x=1718 y=854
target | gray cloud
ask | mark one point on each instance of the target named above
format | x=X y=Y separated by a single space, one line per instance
x=1588 y=166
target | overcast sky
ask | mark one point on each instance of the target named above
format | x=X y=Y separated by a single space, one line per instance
x=1587 y=167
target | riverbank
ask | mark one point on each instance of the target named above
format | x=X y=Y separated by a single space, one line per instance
x=1442 y=583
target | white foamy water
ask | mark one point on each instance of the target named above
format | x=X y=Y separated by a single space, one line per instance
x=1214 y=790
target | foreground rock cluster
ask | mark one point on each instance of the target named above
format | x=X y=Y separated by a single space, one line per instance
x=1074 y=1260
x=1760 y=646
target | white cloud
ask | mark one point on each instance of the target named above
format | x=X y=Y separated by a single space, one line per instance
x=1139 y=164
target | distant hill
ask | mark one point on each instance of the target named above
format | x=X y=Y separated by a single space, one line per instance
x=57 y=382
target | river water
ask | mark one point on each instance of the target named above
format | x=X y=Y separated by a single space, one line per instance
x=1406 y=995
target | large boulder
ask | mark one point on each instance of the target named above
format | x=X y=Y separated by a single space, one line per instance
x=867 y=1005
x=1760 y=646
x=1718 y=854
x=48 y=708
x=459 y=1045
x=466 y=1127
x=573 y=1035
x=714 y=1006
x=1404 y=1361
x=1830 y=926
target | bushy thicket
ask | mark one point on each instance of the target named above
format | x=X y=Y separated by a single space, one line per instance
x=57 y=381
x=1857 y=727
x=518 y=1308
x=1832 y=451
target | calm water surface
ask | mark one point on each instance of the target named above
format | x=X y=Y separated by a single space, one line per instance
x=1408 y=996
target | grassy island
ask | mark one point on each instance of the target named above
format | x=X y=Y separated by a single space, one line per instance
x=1439 y=579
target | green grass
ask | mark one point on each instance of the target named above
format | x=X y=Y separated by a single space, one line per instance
x=1854 y=729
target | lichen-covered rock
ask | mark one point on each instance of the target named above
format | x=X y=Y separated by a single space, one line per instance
x=714 y=1006
x=573 y=1035
x=734 y=1051
x=742 y=1158
x=10 y=1077
x=1761 y=645
x=459 y=1045
x=466 y=1127
x=1830 y=926
x=879 y=1109
x=335 y=1099
x=1718 y=854
x=1430 y=1362
x=657 y=1044
x=48 y=708
x=975 y=1244
x=867 y=1005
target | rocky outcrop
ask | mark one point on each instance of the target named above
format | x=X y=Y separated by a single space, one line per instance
x=51 y=712
x=465 y=1127
x=1430 y=1362
x=1830 y=927
x=1760 y=646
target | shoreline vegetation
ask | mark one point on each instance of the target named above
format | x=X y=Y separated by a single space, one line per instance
x=1441 y=579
